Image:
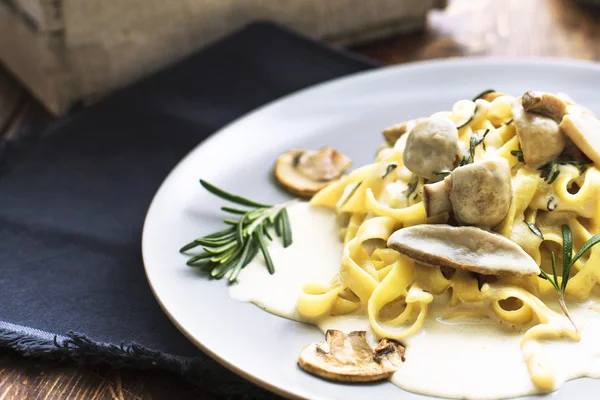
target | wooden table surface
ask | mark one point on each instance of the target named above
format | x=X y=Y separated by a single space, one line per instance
x=557 y=28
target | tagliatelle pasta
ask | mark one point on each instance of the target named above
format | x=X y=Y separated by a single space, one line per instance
x=396 y=292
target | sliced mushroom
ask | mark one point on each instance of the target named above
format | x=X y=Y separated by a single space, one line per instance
x=393 y=133
x=545 y=104
x=540 y=137
x=431 y=146
x=349 y=358
x=481 y=193
x=304 y=172
x=436 y=197
x=584 y=131
x=465 y=247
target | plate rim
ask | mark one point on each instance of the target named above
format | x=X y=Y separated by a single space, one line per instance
x=331 y=83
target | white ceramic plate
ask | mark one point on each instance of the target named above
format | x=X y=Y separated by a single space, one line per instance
x=348 y=114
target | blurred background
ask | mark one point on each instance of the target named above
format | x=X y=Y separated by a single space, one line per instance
x=56 y=55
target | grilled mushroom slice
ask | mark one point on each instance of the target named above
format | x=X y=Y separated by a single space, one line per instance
x=481 y=193
x=540 y=137
x=304 y=172
x=431 y=146
x=393 y=133
x=584 y=130
x=465 y=247
x=349 y=358
x=545 y=104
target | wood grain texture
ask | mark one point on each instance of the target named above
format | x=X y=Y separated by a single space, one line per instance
x=557 y=28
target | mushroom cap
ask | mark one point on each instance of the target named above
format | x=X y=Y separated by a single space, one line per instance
x=304 y=172
x=431 y=146
x=545 y=104
x=540 y=137
x=481 y=193
x=584 y=130
x=349 y=358
x=465 y=247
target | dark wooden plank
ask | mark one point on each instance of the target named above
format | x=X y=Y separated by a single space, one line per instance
x=21 y=378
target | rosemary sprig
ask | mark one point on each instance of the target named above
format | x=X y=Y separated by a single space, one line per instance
x=568 y=261
x=549 y=172
x=231 y=249
x=469 y=155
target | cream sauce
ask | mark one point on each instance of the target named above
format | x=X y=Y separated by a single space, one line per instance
x=456 y=358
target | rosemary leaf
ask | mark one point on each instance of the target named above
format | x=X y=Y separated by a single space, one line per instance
x=267 y=233
x=567 y=255
x=354 y=189
x=231 y=197
x=594 y=240
x=554 y=274
x=265 y=252
x=535 y=230
x=239 y=230
x=412 y=185
x=254 y=248
x=233 y=210
x=224 y=232
x=444 y=172
x=389 y=169
x=510 y=121
x=287 y=230
x=220 y=249
x=480 y=95
x=199 y=257
x=483 y=139
x=237 y=267
x=518 y=154
x=188 y=246
x=469 y=120
x=278 y=227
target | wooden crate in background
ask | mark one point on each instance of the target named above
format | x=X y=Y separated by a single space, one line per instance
x=69 y=50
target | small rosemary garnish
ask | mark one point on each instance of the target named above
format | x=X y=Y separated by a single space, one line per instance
x=549 y=172
x=568 y=261
x=412 y=185
x=483 y=138
x=389 y=169
x=352 y=191
x=535 y=230
x=518 y=154
x=469 y=155
x=444 y=172
x=580 y=165
x=480 y=95
x=509 y=122
x=231 y=249
x=469 y=120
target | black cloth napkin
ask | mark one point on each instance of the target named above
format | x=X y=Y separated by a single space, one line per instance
x=73 y=202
